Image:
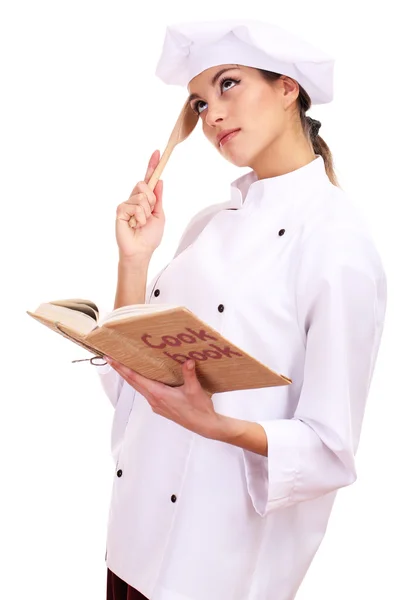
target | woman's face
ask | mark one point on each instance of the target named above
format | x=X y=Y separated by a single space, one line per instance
x=236 y=97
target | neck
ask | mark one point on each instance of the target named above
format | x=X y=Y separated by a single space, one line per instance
x=282 y=156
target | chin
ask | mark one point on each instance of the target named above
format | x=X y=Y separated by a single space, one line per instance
x=240 y=163
x=237 y=159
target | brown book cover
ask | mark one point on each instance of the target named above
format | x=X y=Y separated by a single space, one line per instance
x=155 y=340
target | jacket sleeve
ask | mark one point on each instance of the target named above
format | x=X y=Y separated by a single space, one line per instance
x=341 y=303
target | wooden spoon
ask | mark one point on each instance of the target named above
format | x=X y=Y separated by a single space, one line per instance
x=184 y=126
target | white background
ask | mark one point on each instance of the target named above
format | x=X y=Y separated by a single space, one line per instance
x=81 y=112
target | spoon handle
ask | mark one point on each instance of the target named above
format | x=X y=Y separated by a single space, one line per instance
x=175 y=138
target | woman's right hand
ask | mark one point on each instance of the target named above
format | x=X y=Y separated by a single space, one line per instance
x=146 y=207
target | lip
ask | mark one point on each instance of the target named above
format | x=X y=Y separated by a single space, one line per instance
x=224 y=134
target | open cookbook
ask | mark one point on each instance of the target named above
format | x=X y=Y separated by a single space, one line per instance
x=155 y=340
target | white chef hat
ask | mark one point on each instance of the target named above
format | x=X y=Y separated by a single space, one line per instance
x=190 y=48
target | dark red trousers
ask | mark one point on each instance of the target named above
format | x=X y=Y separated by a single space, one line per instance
x=119 y=590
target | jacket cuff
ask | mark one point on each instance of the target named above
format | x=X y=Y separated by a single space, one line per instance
x=271 y=479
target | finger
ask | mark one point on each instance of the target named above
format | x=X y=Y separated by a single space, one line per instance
x=153 y=389
x=191 y=383
x=143 y=188
x=153 y=162
x=140 y=389
x=139 y=382
x=127 y=372
x=126 y=211
x=158 y=192
x=128 y=375
x=141 y=200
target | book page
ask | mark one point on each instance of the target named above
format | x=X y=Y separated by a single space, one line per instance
x=134 y=310
x=85 y=306
x=77 y=320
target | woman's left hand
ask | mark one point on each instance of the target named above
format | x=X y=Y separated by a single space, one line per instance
x=188 y=405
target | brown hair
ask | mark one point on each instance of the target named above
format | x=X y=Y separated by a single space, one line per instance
x=319 y=145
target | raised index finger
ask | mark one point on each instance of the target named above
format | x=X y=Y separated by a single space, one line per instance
x=153 y=162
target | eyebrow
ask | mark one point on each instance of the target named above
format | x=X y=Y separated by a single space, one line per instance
x=213 y=81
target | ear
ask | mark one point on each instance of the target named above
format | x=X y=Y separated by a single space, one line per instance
x=290 y=90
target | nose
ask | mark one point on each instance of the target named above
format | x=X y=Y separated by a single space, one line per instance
x=215 y=113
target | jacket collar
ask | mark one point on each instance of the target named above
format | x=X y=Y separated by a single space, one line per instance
x=248 y=188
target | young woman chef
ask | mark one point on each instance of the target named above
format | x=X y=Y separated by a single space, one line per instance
x=228 y=497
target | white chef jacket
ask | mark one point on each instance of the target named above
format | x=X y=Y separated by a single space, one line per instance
x=292 y=277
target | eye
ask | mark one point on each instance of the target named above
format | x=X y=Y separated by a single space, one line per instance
x=227 y=80
x=196 y=106
x=198 y=109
